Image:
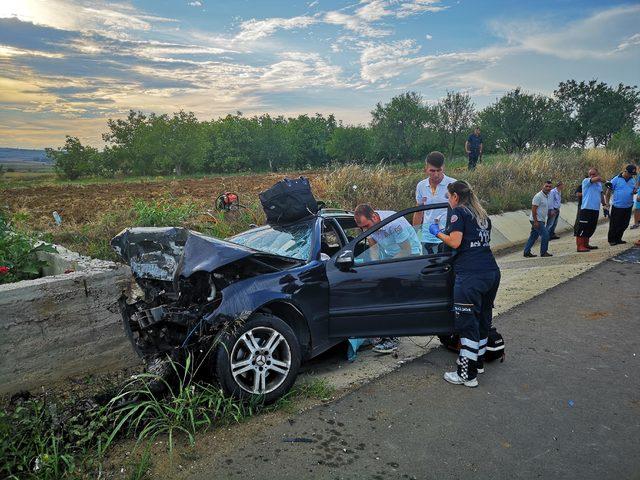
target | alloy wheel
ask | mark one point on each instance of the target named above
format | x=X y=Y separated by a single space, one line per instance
x=260 y=360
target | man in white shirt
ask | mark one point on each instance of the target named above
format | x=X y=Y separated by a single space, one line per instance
x=432 y=189
x=538 y=219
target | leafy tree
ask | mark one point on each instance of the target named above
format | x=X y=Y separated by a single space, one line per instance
x=350 y=144
x=559 y=128
x=628 y=142
x=398 y=125
x=453 y=116
x=232 y=141
x=72 y=160
x=182 y=140
x=515 y=120
x=273 y=150
x=128 y=144
x=308 y=137
x=599 y=109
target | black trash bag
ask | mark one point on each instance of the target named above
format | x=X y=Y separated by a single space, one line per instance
x=288 y=201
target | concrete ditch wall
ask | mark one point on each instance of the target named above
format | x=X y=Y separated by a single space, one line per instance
x=69 y=324
x=513 y=228
x=63 y=325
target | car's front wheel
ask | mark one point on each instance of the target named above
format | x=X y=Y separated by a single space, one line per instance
x=260 y=357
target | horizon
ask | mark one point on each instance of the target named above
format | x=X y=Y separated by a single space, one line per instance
x=69 y=65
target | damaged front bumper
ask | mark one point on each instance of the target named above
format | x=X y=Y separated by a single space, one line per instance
x=180 y=279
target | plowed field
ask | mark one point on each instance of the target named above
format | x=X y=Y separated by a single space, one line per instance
x=83 y=203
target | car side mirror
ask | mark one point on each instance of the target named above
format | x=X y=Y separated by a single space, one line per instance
x=345 y=259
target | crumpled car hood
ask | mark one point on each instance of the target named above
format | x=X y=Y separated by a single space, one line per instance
x=163 y=253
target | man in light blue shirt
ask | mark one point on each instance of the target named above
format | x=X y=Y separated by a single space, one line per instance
x=396 y=239
x=555 y=201
x=592 y=198
x=432 y=189
x=623 y=187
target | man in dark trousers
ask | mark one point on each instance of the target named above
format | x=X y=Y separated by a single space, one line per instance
x=592 y=197
x=623 y=188
x=473 y=147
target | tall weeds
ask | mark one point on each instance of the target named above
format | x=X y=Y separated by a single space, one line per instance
x=502 y=186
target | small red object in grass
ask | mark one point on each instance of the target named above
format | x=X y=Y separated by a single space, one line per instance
x=69 y=270
x=4 y=270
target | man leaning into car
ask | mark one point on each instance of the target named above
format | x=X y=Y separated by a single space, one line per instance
x=396 y=239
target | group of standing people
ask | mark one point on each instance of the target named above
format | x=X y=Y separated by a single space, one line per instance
x=616 y=197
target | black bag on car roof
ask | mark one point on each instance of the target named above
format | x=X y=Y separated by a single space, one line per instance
x=288 y=200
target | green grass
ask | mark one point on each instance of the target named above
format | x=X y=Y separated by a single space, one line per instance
x=52 y=439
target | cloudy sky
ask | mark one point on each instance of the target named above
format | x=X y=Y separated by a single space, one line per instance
x=68 y=65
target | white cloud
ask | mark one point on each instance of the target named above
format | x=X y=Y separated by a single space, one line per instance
x=7 y=51
x=195 y=3
x=416 y=7
x=428 y=36
x=115 y=19
x=355 y=24
x=587 y=38
x=382 y=61
x=629 y=42
x=373 y=10
x=255 y=29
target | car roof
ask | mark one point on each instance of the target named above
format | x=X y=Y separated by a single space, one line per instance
x=324 y=213
x=335 y=212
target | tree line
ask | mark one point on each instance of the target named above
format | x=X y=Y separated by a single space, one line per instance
x=402 y=130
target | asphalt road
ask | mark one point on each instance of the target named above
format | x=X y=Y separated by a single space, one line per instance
x=565 y=404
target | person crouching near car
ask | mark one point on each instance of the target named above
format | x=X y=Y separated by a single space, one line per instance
x=396 y=239
x=477 y=278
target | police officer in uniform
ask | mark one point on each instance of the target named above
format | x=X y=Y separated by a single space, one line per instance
x=477 y=278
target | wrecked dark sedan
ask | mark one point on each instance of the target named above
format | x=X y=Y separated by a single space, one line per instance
x=266 y=300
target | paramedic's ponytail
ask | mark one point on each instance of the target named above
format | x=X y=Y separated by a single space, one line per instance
x=469 y=199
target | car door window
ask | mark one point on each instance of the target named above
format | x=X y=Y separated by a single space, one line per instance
x=399 y=239
x=330 y=240
x=349 y=227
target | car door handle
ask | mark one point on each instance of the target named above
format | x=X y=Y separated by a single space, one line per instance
x=436 y=268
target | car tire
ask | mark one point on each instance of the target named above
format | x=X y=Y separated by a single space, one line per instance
x=260 y=358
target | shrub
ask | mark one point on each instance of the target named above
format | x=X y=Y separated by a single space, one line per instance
x=40 y=439
x=18 y=254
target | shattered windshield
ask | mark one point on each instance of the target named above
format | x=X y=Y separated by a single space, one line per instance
x=291 y=241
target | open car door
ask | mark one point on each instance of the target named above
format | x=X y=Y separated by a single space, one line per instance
x=383 y=284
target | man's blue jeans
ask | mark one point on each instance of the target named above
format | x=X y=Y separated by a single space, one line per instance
x=541 y=232
x=552 y=222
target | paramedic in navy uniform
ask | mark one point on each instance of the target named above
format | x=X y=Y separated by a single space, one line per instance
x=477 y=278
